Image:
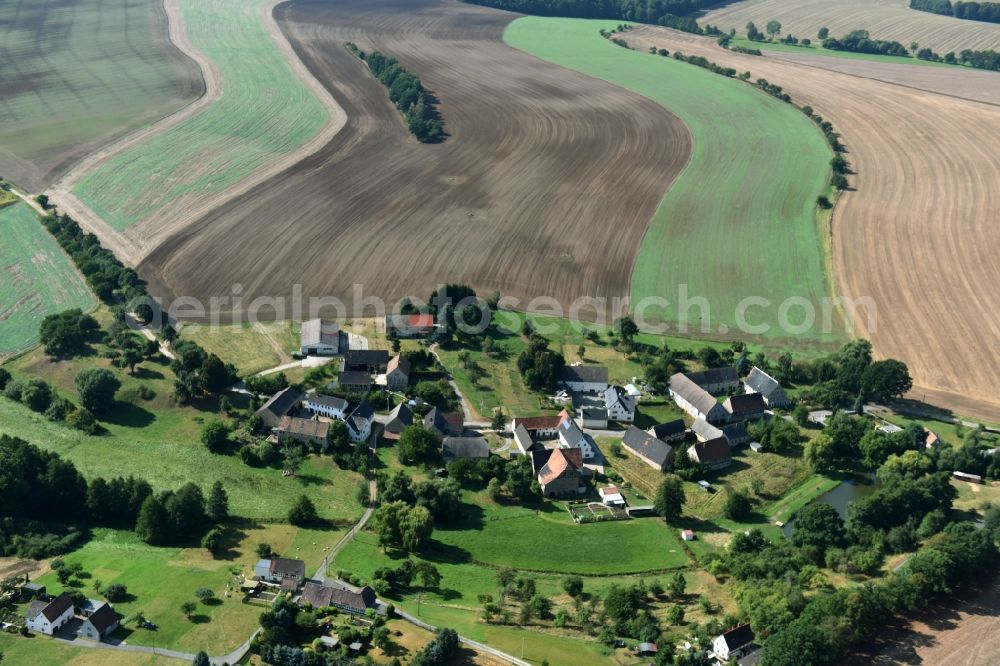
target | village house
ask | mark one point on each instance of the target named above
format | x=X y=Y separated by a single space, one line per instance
x=329 y=406
x=365 y=360
x=354 y=381
x=669 y=432
x=399 y=418
x=319 y=337
x=695 y=400
x=584 y=378
x=277 y=570
x=745 y=406
x=523 y=441
x=45 y=617
x=397 y=374
x=704 y=431
x=931 y=440
x=611 y=496
x=465 y=448
x=736 y=433
x=100 y=621
x=713 y=453
x=654 y=452
x=282 y=403
x=560 y=472
x=759 y=381
x=716 y=380
x=733 y=643
x=571 y=437
x=350 y=599
x=307 y=431
x=619 y=404
x=540 y=427
x=359 y=422
x=595 y=418
x=409 y=326
x=444 y=423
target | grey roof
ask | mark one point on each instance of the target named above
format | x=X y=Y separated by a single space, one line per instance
x=354 y=377
x=56 y=607
x=668 y=429
x=466 y=447
x=435 y=420
x=761 y=382
x=647 y=446
x=287 y=566
x=364 y=411
x=35 y=607
x=400 y=413
x=327 y=401
x=104 y=618
x=712 y=450
x=728 y=374
x=590 y=413
x=616 y=394
x=734 y=431
x=738 y=637
x=365 y=357
x=705 y=430
x=571 y=430
x=281 y=402
x=701 y=399
x=320 y=332
x=523 y=438
x=584 y=373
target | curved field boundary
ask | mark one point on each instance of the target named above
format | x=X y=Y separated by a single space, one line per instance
x=884 y=19
x=36 y=279
x=262 y=112
x=740 y=220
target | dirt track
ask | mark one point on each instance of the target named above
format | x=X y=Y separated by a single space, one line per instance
x=884 y=19
x=544 y=186
x=918 y=235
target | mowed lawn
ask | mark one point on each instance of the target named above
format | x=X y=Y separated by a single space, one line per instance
x=250 y=347
x=740 y=220
x=36 y=278
x=159 y=440
x=78 y=72
x=265 y=111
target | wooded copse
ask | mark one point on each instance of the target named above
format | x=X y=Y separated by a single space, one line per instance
x=859 y=41
x=406 y=92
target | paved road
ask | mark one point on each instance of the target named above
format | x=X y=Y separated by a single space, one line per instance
x=233 y=657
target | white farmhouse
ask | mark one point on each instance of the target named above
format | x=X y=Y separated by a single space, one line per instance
x=329 y=406
x=733 y=644
x=571 y=437
x=619 y=404
x=695 y=400
x=585 y=378
x=319 y=337
x=45 y=617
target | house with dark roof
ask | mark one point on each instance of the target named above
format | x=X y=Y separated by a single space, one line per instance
x=733 y=643
x=397 y=373
x=759 y=381
x=350 y=599
x=329 y=406
x=736 y=433
x=571 y=437
x=619 y=404
x=584 y=378
x=523 y=441
x=279 y=569
x=560 y=472
x=100 y=623
x=717 y=380
x=745 y=406
x=307 y=431
x=319 y=337
x=365 y=360
x=45 y=617
x=282 y=403
x=359 y=422
x=354 y=381
x=654 y=452
x=399 y=418
x=713 y=453
x=409 y=326
x=465 y=448
x=695 y=400
x=593 y=417
x=671 y=431
x=445 y=424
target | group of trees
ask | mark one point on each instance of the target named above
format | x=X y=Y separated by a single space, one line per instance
x=973 y=11
x=406 y=92
x=66 y=334
x=539 y=365
x=388 y=579
x=175 y=517
x=670 y=13
x=199 y=372
x=859 y=41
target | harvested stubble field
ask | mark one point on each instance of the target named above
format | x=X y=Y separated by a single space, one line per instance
x=264 y=112
x=916 y=232
x=745 y=229
x=884 y=19
x=544 y=185
x=36 y=279
x=78 y=74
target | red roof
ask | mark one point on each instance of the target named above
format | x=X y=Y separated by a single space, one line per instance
x=540 y=422
x=421 y=321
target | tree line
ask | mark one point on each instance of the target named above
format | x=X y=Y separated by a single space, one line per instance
x=406 y=92
x=972 y=11
x=669 y=13
x=859 y=41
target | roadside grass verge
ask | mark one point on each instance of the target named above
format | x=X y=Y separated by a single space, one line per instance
x=39 y=279
x=724 y=234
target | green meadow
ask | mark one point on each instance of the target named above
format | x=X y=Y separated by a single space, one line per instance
x=741 y=220
x=265 y=111
x=36 y=279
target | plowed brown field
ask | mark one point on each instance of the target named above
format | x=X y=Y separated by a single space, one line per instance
x=884 y=19
x=918 y=234
x=544 y=186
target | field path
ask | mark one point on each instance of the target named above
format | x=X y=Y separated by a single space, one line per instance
x=135 y=243
x=917 y=232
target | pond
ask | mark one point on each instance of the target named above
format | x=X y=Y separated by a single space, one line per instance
x=840 y=497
